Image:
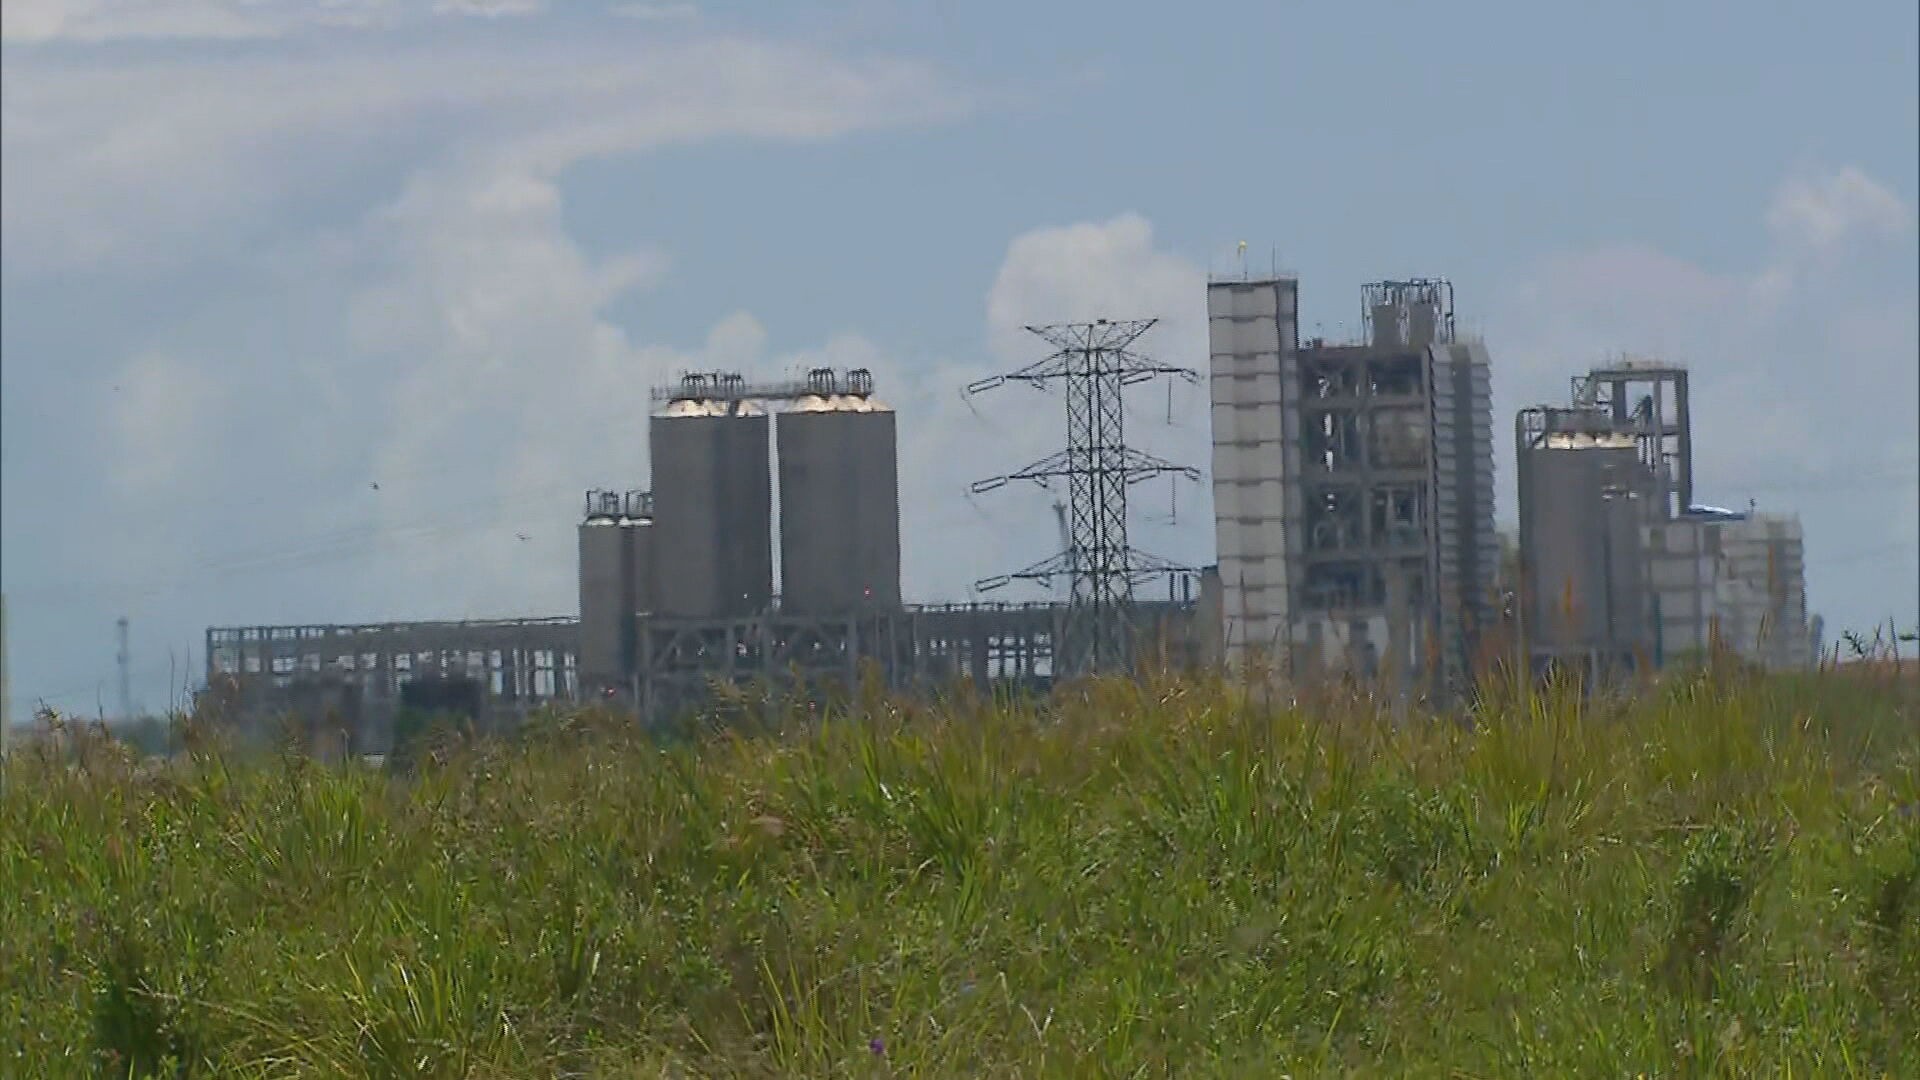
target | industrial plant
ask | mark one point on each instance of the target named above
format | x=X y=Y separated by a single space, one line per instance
x=677 y=587
x=1620 y=568
x=1354 y=507
x=1352 y=484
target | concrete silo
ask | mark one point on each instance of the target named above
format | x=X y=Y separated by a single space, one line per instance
x=616 y=583
x=839 y=504
x=1584 y=496
x=712 y=504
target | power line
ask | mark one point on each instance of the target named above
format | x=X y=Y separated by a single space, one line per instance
x=1851 y=481
x=298 y=554
x=1096 y=365
x=1871 y=554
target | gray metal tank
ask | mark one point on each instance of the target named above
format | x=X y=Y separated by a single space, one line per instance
x=606 y=592
x=616 y=583
x=1585 y=571
x=713 y=509
x=638 y=524
x=839 y=506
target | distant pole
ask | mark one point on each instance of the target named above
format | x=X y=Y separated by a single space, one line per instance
x=6 y=688
x=126 y=680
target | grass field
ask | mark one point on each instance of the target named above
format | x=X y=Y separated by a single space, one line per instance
x=1721 y=879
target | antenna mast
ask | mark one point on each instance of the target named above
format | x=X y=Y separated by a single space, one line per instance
x=124 y=659
x=6 y=688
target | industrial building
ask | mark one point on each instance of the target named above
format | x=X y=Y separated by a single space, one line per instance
x=1621 y=569
x=838 y=614
x=1353 y=484
x=353 y=675
x=1583 y=499
x=1760 y=592
x=1354 y=510
x=616 y=584
x=677 y=585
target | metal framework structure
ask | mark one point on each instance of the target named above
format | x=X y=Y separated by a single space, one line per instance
x=521 y=658
x=608 y=503
x=732 y=386
x=917 y=649
x=1653 y=400
x=522 y=664
x=1682 y=578
x=1353 y=485
x=1096 y=363
x=1369 y=506
x=1417 y=311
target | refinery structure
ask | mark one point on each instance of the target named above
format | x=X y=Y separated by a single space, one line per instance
x=677 y=586
x=1621 y=569
x=1353 y=485
x=1354 y=509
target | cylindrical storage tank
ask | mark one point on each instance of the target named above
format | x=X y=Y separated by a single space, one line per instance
x=712 y=510
x=640 y=563
x=1577 y=547
x=839 y=507
x=1386 y=326
x=1629 y=614
x=606 y=601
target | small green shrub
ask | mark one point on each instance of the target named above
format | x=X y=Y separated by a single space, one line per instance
x=1719 y=873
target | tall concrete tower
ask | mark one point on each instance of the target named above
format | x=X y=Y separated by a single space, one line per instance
x=1353 y=483
x=1253 y=342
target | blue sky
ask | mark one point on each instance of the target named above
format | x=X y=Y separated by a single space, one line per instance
x=261 y=256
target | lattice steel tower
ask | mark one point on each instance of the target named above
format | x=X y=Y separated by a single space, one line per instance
x=1096 y=363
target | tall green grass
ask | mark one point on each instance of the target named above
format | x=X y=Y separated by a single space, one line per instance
x=1720 y=878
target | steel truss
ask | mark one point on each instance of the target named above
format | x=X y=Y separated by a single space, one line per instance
x=773 y=660
x=1652 y=400
x=780 y=658
x=525 y=664
x=1096 y=363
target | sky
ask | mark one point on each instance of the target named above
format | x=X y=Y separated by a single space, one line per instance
x=331 y=311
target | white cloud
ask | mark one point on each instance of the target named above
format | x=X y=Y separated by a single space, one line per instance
x=736 y=342
x=94 y=22
x=491 y=318
x=39 y=21
x=656 y=12
x=464 y=381
x=1820 y=212
x=148 y=164
x=502 y=357
x=1096 y=270
x=489 y=9
x=163 y=412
